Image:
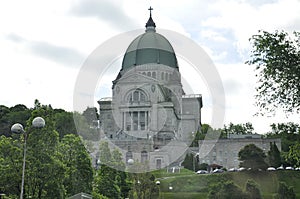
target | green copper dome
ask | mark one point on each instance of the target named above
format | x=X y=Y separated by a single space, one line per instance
x=149 y=47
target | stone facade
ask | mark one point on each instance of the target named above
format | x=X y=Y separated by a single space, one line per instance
x=224 y=152
x=149 y=118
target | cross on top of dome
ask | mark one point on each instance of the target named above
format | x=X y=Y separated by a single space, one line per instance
x=150 y=9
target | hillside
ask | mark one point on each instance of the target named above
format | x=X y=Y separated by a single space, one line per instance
x=190 y=185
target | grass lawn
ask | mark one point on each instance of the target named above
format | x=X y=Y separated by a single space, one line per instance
x=187 y=184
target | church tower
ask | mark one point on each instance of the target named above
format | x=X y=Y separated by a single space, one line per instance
x=149 y=117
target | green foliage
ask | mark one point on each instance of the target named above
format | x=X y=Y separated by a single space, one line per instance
x=252 y=157
x=109 y=181
x=252 y=190
x=198 y=136
x=9 y=116
x=105 y=183
x=79 y=172
x=277 y=57
x=293 y=155
x=190 y=162
x=192 y=185
x=274 y=157
x=11 y=156
x=91 y=115
x=203 y=166
x=98 y=196
x=289 y=133
x=206 y=132
x=64 y=123
x=84 y=129
x=143 y=186
x=54 y=168
x=105 y=154
x=285 y=192
x=43 y=162
x=246 y=128
x=226 y=190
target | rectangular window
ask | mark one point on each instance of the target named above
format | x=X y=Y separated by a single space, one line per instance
x=135 y=119
x=143 y=120
x=158 y=163
x=135 y=96
x=128 y=121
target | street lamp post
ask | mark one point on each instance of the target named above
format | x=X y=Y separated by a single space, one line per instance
x=17 y=128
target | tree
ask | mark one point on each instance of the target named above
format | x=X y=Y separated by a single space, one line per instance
x=105 y=183
x=188 y=162
x=84 y=129
x=206 y=132
x=98 y=196
x=109 y=181
x=289 y=133
x=64 y=123
x=11 y=156
x=143 y=186
x=252 y=157
x=274 y=157
x=226 y=190
x=293 y=156
x=91 y=115
x=8 y=116
x=285 y=192
x=44 y=172
x=77 y=162
x=191 y=162
x=203 y=166
x=246 y=128
x=252 y=189
x=277 y=58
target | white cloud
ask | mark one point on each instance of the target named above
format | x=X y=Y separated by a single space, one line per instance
x=223 y=27
x=212 y=35
x=245 y=19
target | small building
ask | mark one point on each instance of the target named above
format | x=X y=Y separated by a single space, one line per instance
x=81 y=196
x=225 y=152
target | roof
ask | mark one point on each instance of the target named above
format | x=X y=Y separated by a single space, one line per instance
x=150 y=47
x=81 y=196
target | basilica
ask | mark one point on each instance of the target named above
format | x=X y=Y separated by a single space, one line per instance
x=149 y=117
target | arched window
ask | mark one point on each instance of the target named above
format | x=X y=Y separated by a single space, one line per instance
x=162 y=75
x=154 y=75
x=136 y=96
x=149 y=74
x=166 y=76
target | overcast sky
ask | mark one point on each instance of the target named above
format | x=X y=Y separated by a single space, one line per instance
x=44 y=44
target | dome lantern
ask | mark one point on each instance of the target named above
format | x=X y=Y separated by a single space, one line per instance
x=150 y=25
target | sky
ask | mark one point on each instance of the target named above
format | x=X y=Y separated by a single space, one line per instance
x=44 y=44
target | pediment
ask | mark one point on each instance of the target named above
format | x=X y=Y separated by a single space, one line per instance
x=137 y=78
